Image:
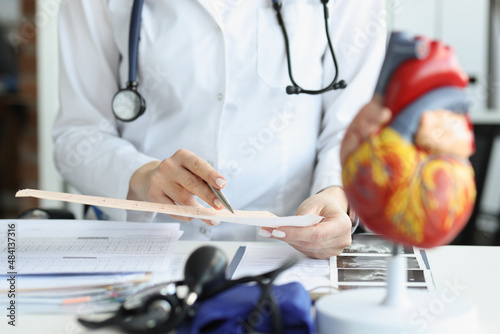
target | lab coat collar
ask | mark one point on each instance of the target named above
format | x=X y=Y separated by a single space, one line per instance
x=211 y=7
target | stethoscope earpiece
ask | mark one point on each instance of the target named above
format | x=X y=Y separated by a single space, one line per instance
x=340 y=85
x=293 y=90
x=290 y=90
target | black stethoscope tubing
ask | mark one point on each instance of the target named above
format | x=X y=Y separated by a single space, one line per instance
x=295 y=88
x=133 y=39
x=129 y=96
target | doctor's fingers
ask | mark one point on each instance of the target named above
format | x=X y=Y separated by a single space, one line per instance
x=199 y=167
x=180 y=184
x=368 y=121
x=189 y=184
x=323 y=240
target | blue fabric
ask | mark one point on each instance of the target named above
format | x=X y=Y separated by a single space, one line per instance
x=228 y=311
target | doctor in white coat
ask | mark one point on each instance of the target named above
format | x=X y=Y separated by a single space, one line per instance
x=213 y=74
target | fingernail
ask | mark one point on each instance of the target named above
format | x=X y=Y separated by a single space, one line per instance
x=217 y=203
x=220 y=182
x=264 y=233
x=279 y=234
x=214 y=222
x=386 y=115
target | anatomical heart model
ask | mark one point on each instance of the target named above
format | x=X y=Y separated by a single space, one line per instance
x=405 y=161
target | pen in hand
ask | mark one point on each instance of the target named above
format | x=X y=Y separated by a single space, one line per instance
x=222 y=198
x=219 y=193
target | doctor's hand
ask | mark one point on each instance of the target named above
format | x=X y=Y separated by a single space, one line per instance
x=325 y=239
x=175 y=181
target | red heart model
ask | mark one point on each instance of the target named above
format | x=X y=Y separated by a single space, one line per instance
x=410 y=179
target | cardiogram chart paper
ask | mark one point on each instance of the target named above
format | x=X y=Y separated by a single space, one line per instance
x=255 y=218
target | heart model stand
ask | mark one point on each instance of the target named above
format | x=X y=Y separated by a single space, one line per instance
x=394 y=309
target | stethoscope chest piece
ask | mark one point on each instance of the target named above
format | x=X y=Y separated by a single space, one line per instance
x=128 y=104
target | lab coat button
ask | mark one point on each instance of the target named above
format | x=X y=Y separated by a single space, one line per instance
x=203 y=230
x=220 y=96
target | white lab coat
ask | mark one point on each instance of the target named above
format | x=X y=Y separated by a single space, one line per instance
x=213 y=74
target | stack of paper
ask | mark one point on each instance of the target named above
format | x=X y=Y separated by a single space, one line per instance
x=68 y=265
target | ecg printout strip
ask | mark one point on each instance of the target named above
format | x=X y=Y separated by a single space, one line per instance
x=72 y=246
x=254 y=218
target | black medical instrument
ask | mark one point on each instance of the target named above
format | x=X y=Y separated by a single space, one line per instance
x=163 y=307
x=295 y=88
x=128 y=104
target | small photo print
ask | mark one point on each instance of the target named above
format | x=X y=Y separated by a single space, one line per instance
x=371 y=262
x=362 y=275
x=416 y=276
x=373 y=244
x=356 y=287
x=376 y=275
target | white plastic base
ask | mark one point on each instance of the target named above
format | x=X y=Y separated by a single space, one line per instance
x=361 y=311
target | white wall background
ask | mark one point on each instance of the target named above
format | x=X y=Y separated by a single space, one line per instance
x=10 y=11
x=463 y=24
x=48 y=101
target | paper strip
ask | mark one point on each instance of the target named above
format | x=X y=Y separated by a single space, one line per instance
x=256 y=218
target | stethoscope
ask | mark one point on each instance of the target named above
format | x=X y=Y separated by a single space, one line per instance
x=159 y=308
x=128 y=104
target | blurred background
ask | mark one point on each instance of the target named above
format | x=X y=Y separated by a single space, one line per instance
x=29 y=102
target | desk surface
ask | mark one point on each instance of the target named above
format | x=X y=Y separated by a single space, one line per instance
x=472 y=272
